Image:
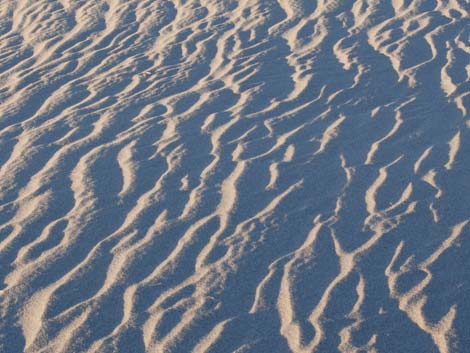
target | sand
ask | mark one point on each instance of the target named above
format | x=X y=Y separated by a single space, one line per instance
x=234 y=176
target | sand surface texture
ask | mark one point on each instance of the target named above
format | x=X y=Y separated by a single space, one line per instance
x=264 y=176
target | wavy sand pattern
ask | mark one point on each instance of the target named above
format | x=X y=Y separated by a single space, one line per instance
x=234 y=176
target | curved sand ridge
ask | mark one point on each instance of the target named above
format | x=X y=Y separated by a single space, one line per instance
x=234 y=176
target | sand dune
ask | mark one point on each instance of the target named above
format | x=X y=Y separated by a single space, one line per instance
x=234 y=176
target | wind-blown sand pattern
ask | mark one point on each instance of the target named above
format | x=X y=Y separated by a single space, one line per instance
x=235 y=176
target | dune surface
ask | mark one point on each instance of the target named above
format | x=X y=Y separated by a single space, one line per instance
x=234 y=176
